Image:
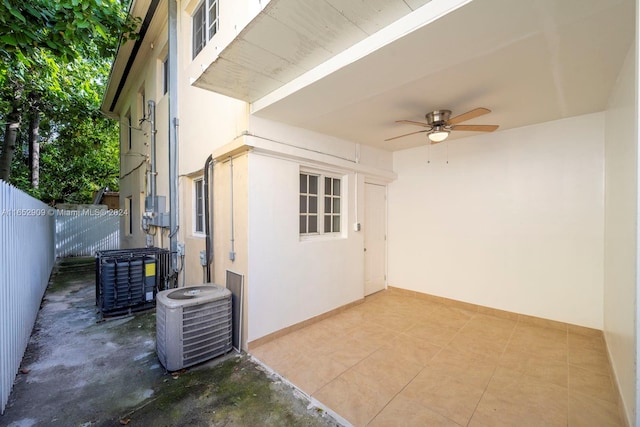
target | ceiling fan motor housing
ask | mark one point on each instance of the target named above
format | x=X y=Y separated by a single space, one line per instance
x=438 y=117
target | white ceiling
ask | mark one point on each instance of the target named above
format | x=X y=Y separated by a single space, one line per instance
x=529 y=61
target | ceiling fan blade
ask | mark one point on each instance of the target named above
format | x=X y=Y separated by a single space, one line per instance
x=407 y=134
x=476 y=128
x=476 y=112
x=411 y=122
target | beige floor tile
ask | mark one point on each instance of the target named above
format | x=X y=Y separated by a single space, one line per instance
x=394 y=321
x=448 y=396
x=357 y=398
x=490 y=347
x=538 y=332
x=586 y=342
x=413 y=350
x=592 y=360
x=471 y=368
x=592 y=384
x=391 y=371
x=451 y=317
x=278 y=354
x=397 y=359
x=589 y=352
x=542 y=369
x=433 y=333
x=371 y=336
x=516 y=400
x=542 y=323
x=402 y=411
x=311 y=373
x=485 y=324
x=588 y=412
x=345 y=321
x=544 y=342
x=315 y=333
x=353 y=352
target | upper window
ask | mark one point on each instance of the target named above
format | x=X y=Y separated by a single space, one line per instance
x=128 y=134
x=320 y=204
x=142 y=106
x=128 y=206
x=198 y=208
x=165 y=75
x=204 y=24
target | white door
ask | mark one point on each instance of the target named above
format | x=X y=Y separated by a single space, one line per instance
x=375 y=230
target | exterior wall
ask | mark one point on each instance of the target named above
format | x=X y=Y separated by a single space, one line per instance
x=293 y=279
x=621 y=233
x=206 y=121
x=230 y=210
x=511 y=220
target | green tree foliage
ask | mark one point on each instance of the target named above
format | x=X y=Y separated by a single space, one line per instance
x=54 y=63
x=66 y=28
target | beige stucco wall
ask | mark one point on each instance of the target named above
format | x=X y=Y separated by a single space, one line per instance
x=230 y=211
x=205 y=121
x=621 y=233
x=511 y=220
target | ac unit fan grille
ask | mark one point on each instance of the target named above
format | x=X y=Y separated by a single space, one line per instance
x=206 y=331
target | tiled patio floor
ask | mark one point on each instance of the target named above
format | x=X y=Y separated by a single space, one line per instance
x=400 y=360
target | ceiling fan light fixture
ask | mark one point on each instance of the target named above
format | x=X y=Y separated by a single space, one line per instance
x=438 y=135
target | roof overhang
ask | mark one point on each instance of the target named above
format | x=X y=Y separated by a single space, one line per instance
x=289 y=38
x=124 y=64
x=529 y=62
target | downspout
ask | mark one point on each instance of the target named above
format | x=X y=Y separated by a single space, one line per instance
x=232 y=253
x=152 y=140
x=173 y=132
x=150 y=206
x=208 y=216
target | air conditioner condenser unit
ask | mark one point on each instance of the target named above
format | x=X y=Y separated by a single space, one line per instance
x=193 y=325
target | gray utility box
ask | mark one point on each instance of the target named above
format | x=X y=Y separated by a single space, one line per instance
x=155 y=208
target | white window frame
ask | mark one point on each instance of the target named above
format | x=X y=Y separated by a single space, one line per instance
x=164 y=76
x=324 y=206
x=128 y=134
x=198 y=201
x=142 y=105
x=128 y=206
x=208 y=27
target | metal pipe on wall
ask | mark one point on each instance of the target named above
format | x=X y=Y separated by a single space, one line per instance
x=152 y=141
x=232 y=253
x=172 y=93
x=208 y=216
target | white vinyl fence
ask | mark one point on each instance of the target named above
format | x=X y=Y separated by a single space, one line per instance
x=27 y=255
x=83 y=231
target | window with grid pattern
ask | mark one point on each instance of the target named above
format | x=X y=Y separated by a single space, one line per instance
x=331 y=205
x=198 y=200
x=308 y=203
x=320 y=204
x=204 y=24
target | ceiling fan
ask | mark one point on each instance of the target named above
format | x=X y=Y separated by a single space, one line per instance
x=439 y=124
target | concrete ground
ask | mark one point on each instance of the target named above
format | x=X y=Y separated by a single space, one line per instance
x=81 y=371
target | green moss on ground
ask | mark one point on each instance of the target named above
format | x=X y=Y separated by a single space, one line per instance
x=232 y=393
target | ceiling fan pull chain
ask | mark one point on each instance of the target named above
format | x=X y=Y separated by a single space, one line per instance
x=447 y=152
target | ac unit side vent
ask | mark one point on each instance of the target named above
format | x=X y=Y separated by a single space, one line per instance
x=161 y=332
